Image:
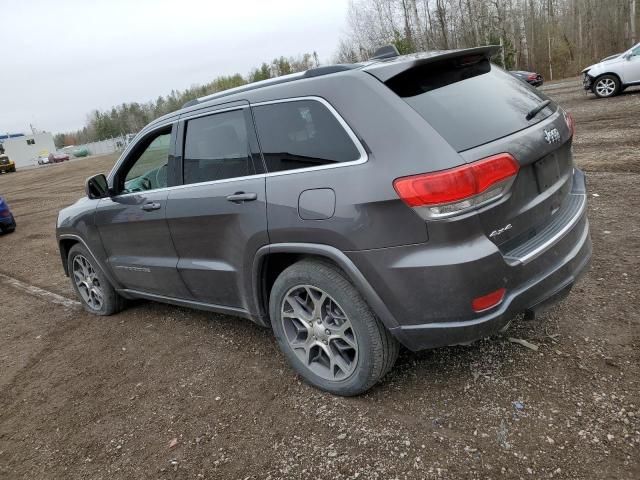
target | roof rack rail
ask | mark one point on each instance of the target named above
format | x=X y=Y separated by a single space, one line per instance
x=388 y=51
x=314 y=72
x=190 y=103
x=245 y=88
x=326 y=70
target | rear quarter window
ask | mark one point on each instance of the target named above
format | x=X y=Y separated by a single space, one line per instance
x=469 y=105
x=301 y=134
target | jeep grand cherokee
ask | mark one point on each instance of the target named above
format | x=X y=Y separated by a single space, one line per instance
x=421 y=200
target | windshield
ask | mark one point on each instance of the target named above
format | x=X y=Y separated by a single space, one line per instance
x=469 y=105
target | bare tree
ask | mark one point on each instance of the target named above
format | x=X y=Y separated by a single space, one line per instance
x=555 y=37
x=632 y=22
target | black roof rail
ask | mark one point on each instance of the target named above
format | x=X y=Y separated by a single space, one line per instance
x=326 y=70
x=388 y=51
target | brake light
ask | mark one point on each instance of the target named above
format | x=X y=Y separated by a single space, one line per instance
x=488 y=301
x=450 y=192
x=568 y=118
x=533 y=76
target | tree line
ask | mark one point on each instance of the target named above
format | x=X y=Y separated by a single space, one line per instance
x=557 y=38
x=132 y=117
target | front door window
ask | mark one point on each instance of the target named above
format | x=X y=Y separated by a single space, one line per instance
x=149 y=170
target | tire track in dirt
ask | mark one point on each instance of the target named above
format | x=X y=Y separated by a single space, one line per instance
x=38 y=292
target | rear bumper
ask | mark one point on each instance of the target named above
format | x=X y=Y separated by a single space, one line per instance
x=429 y=289
x=532 y=296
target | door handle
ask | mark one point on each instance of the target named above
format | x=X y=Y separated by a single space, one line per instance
x=240 y=197
x=147 y=207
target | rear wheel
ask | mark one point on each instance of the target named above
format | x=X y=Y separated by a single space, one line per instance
x=96 y=294
x=606 y=86
x=327 y=331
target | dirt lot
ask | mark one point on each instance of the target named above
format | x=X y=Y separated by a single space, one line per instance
x=89 y=397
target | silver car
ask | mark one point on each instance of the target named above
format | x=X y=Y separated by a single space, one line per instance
x=613 y=74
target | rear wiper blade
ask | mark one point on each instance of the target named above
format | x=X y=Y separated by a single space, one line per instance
x=537 y=109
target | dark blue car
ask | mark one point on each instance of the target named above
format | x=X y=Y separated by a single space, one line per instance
x=7 y=222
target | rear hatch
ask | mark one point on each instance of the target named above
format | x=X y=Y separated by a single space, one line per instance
x=481 y=110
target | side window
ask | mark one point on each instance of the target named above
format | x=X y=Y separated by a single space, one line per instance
x=216 y=148
x=301 y=134
x=636 y=51
x=149 y=170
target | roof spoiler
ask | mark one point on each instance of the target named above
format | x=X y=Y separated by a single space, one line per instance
x=384 y=70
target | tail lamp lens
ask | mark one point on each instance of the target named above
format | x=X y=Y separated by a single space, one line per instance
x=449 y=192
x=488 y=301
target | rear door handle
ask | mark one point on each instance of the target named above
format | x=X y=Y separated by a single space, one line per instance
x=151 y=206
x=240 y=197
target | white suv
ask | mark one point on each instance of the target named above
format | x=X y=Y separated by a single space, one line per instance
x=613 y=74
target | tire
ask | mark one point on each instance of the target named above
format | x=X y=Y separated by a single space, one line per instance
x=606 y=86
x=108 y=302
x=343 y=325
x=12 y=227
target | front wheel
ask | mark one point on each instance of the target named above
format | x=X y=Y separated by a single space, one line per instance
x=96 y=294
x=327 y=331
x=606 y=86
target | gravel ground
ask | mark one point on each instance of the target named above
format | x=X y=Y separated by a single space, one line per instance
x=165 y=392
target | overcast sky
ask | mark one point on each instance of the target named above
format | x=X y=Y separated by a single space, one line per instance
x=61 y=59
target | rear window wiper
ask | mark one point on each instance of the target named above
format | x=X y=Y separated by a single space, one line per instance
x=537 y=109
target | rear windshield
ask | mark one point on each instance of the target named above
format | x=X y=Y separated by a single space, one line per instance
x=469 y=105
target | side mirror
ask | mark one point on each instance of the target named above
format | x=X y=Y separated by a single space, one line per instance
x=627 y=56
x=97 y=187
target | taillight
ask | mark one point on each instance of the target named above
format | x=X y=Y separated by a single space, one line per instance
x=450 y=192
x=568 y=118
x=488 y=301
x=533 y=76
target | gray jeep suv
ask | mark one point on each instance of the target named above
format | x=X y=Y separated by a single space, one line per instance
x=421 y=200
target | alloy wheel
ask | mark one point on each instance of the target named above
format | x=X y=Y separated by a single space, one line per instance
x=319 y=332
x=85 y=278
x=606 y=87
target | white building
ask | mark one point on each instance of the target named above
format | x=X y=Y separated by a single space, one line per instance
x=24 y=150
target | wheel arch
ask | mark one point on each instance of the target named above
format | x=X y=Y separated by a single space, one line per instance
x=272 y=259
x=65 y=245
x=613 y=74
x=67 y=241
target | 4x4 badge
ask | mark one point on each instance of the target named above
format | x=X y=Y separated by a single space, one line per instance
x=552 y=136
x=495 y=233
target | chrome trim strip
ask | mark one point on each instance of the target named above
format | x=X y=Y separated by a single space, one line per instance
x=535 y=253
x=213 y=112
x=364 y=157
x=199 y=184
